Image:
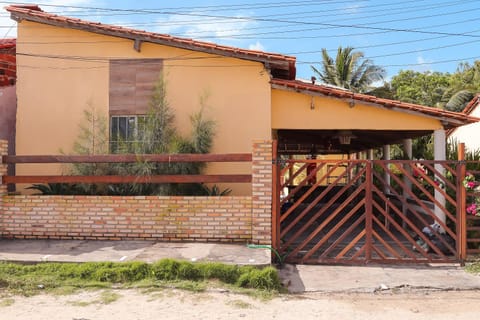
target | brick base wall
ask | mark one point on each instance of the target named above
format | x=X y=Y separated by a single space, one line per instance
x=213 y=219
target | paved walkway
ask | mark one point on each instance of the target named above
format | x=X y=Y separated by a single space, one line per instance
x=298 y=278
x=148 y=251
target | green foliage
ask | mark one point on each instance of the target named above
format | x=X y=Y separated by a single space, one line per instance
x=27 y=278
x=427 y=88
x=349 y=70
x=57 y=188
x=156 y=135
x=160 y=137
x=215 y=191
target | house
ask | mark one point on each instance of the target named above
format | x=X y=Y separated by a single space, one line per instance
x=8 y=102
x=251 y=94
x=468 y=134
x=66 y=65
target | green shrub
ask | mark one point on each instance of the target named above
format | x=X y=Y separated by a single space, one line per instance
x=266 y=279
x=52 y=275
x=166 y=269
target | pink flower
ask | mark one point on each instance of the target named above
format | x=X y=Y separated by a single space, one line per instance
x=471 y=184
x=472 y=209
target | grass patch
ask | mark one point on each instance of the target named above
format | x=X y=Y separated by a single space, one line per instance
x=6 y=302
x=240 y=304
x=473 y=267
x=107 y=297
x=65 y=278
x=80 y=303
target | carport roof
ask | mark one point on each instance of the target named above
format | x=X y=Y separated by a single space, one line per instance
x=297 y=141
x=449 y=119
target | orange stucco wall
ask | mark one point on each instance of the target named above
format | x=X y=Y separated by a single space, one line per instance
x=54 y=92
x=292 y=110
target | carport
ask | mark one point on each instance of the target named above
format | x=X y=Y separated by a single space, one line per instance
x=341 y=204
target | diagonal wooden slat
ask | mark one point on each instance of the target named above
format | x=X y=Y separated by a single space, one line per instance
x=322 y=225
x=356 y=256
x=419 y=216
x=441 y=176
x=321 y=211
x=339 y=240
x=394 y=238
x=334 y=230
x=432 y=183
x=425 y=192
x=405 y=233
x=388 y=248
x=351 y=245
x=302 y=199
x=382 y=256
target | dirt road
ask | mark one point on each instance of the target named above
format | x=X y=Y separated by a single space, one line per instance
x=174 y=304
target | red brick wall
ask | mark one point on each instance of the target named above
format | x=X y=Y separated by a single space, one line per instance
x=262 y=192
x=215 y=219
x=3 y=167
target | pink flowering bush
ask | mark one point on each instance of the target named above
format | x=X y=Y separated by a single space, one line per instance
x=471 y=184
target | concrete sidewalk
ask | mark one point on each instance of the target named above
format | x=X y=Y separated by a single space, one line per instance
x=297 y=278
x=372 y=279
x=149 y=251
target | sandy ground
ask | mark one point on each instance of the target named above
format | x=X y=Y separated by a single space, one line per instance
x=173 y=304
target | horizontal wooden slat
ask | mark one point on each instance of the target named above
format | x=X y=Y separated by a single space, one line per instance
x=119 y=158
x=237 y=178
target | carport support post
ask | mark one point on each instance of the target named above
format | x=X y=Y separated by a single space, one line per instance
x=370 y=154
x=386 y=156
x=440 y=154
x=407 y=151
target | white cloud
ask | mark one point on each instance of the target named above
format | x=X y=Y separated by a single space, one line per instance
x=227 y=31
x=257 y=46
x=423 y=64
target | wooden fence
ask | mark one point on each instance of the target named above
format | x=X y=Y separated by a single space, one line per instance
x=130 y=158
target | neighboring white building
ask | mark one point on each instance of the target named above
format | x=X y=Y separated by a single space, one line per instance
x=469 y=134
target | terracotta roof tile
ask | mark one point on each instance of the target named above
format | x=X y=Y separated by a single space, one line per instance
x=449 y=118
x=8 y=43
x=472 y=104
x=281 y=65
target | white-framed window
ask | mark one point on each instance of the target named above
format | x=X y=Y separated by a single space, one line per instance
x=126 y=130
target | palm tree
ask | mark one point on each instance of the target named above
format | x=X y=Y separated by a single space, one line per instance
x=349 y=70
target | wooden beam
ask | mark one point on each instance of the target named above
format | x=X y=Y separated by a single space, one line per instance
x=235 y=178
x=137 y=44
x=130 y=158
x=461 y=205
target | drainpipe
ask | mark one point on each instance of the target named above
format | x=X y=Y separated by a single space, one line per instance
x=440 y=153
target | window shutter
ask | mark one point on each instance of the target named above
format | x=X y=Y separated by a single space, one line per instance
x=131 y=85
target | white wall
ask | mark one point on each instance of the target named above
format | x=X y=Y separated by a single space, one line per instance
x=469 y=134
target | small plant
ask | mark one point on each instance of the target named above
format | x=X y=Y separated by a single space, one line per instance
x=215 y=191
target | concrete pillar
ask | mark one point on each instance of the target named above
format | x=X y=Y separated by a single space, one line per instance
x=370 y=154
x=262 y=196
x=386 y=156
x=440 y=153
x=407 y=151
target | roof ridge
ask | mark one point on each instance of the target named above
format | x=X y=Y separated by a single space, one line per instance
x=282 y=66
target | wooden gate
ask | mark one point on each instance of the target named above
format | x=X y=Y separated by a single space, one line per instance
x=363 y=211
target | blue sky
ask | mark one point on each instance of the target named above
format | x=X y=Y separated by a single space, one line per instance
x=421 y=35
